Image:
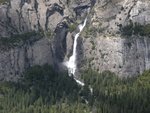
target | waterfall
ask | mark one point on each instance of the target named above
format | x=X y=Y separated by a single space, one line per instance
x=71 y=64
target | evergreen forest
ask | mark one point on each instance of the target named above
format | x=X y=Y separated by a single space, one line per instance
x=43 y=90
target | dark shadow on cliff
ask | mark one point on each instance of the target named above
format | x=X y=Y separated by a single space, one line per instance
x=59 y=42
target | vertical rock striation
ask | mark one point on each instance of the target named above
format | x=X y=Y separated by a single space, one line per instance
x=14 y=61
x=107 y=47
x=102 y=46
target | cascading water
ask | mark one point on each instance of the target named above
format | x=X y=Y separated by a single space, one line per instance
x=71 y=64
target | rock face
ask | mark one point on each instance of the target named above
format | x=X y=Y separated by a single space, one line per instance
x=125 y=57
x=107 y=48
x=25 y=15
x=101 y=45
x=15 y=60
x=49 y=16
x=110 y=15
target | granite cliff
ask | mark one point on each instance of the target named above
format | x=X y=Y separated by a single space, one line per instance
x=116 y=37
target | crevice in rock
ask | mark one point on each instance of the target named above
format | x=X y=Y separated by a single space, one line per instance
x=36 y=5
x=128 y=14
x=36 y=9
x=26 y=59
x=50 y=11
x=18 y=56
x=79 y=9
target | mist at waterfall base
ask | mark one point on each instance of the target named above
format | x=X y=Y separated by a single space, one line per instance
x=71 y=64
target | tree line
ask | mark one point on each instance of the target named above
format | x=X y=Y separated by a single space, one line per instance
x=43 y=90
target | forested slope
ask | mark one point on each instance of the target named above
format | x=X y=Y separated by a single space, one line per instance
x=42 y=90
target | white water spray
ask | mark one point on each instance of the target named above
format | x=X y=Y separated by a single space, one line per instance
x=71 y=64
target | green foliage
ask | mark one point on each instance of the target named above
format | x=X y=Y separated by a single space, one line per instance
x=114 y=95
x=43 y=90
x=72 y=27
x=49 y=33
x=90 y=31
x=19 y=39
x=146 y=30
x=44 y=81
x=136 y=29
x=127 y=30
x=3 y=1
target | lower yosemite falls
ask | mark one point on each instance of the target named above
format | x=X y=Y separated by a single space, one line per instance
x=72 y=63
